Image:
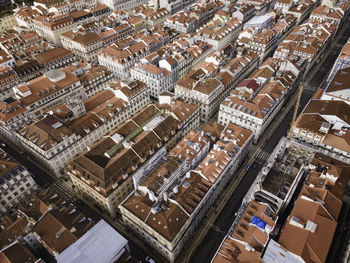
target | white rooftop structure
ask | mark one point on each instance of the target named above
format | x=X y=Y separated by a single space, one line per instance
x=100 y=244
x=259 y=22
x=275 y=253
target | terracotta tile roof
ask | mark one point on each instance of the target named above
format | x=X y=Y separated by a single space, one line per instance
x=17 y=253
x=189 y=146
x=41 y=87
x=311 y=246
x=46 y=132
x=248 y=239
x=60 y=228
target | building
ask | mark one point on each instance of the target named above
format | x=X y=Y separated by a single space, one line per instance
x=126 y=153
x=56 y=57
x=261 y=6
x=85 y=45
x=248 y=236
x=121 y=60
x=51 y=89
x=58 y=228
x=323 y=126
x=219 y=33
x=243 y=12
x=308 y=231
x=322 y=13
x=15 y=226
x=259 y=22
x=8 y=79
x=95 y=79
x=71 y=127
x=52 y=27
x=337 y=88
x=7 y=22
x=342 y=62
x=16 y=183
x=208 y=90
x=159 y=80
x=169 y=204
x=16 y=252
x=101 y=243
x=12 y=116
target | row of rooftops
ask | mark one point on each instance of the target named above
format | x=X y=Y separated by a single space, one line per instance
x=252 y=36
x=205 y=77
x=306 y=40
x=309 y=229
x=62 y=121
x=47 y=215
x=193 y=15
x=266 y=92
x=167 y=215
x=119 y=154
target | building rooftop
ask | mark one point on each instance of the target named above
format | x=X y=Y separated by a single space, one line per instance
x=101 y=243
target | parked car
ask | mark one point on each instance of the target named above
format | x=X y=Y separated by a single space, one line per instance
x=150 y=260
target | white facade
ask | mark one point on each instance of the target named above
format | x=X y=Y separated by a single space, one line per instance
x=16 y=183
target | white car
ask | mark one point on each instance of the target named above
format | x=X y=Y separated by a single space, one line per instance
x=150 y=260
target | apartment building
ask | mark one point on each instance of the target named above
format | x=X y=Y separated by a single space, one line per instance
x=112 y=35
x=323 y=125
x=312 y=222
x=248 y=236
x=256 y=109
x=172 y=6
x=264 y=41
x=24 y=16
x=51 y=89
x=123 y=4
x=283 y=5
x=59 y=228
x=159 y=80
x=16 y=252
x=56 y=57
x=322 y=13
x=70 y=128
x=66 y=7
x=85 y=45
x=301 y=10
x=337 y=89
x=167 y=218
x=22 y=43
x=219 y=33
x=12 y=116
x=15 y=226
x=261 y=6
x=306 y=42
x=7 y=22
x=152 y=16
x=6 y=60
x=243 y=12
x=103 y=175
x=121 y=60
x=342 y=62
x=95 y=79
x=207 y=90
x=191 y=18
x=8 y=79
x=52 y=27
x=16 y=183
